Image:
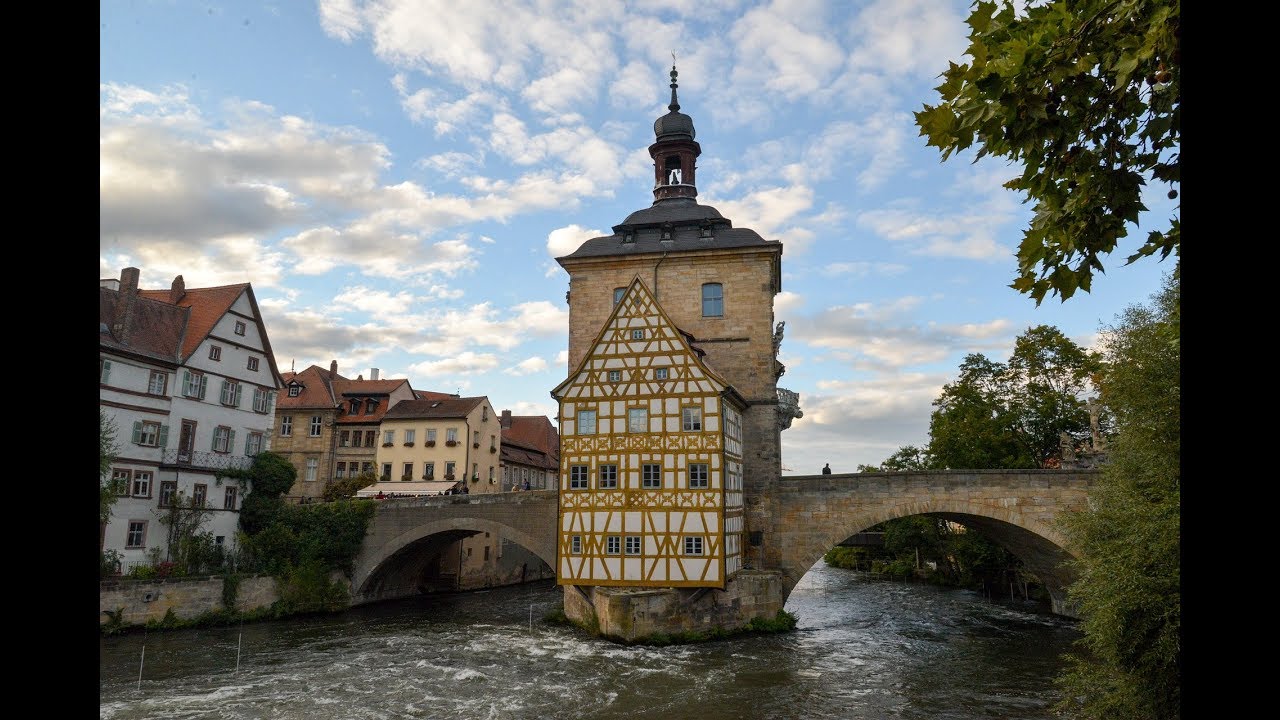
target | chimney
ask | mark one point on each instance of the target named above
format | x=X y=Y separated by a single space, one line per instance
x=506 y=419
x=333 y=369
x=123 y=321
x=177 y=290
x=373 y=373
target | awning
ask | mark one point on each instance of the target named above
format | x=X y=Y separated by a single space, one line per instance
x=400 y=487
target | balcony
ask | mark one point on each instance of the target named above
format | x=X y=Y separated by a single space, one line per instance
x=205 y=460
x=788 y=407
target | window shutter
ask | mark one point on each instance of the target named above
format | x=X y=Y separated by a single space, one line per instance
x=106 y=370
x=164 y=436
x=246 y=444
x=186 y=381
x=137 y=431
x=239 y=388
x=213 y=444
x=231 y=442
x=222 y=394
x=204 y=384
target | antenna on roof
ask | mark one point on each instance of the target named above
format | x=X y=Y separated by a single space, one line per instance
x=291 y=362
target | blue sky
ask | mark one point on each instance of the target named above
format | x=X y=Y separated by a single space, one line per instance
x=395 y=178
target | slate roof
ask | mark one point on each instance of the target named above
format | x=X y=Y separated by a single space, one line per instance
x=688 y=220
x=156 y=331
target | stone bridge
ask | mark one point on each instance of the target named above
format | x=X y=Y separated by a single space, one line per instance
x=808 y=516
x=405 y=533
x=1015 y=508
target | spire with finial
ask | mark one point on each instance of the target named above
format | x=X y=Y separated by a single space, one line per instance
x=674 y=151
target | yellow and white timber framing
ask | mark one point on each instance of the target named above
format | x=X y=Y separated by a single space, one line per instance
x=651 y=496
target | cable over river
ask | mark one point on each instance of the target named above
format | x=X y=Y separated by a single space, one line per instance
x=864 y=650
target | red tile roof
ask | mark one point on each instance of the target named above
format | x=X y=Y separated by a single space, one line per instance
x=535 y=431
x=155 y=331
x=316 y=390
x=206 y=306
x=448 y=407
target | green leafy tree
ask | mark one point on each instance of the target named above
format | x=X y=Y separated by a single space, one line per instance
x=973 y=425
x=1086 y=95
x=1012 y=415
x=108 y=488
x=346 y=487
x=185 y=545
x=1128 y=589
x=270 y=476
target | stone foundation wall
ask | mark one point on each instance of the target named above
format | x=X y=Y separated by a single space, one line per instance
x=629 y=614
x=146 y=600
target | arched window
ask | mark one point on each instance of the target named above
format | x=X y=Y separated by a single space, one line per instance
x=617 y=294
x=712 y=300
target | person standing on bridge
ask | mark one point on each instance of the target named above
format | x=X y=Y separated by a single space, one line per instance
x=826 y=469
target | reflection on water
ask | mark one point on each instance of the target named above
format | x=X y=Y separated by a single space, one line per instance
x=862 y=650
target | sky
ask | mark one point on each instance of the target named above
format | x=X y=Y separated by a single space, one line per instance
x=395 y=178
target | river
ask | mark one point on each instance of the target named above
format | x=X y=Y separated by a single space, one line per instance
x=863 y=650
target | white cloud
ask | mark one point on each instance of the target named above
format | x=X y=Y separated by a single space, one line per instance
x=340 y=19
x=863 y=269
x=563 y=241
x=527 y=366
x=465 y=363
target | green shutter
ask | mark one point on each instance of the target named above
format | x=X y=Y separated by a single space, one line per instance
x=186 y=381
x=246 y=444
x=137 y=431
x=164 y=436
x=231 y=441
x=204 y=385
x=222 y=393
x=239 y=387
x=106 y=370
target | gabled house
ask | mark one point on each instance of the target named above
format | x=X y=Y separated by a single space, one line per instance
x=530 y=452
x=651 y=458
x=433 y=445
x=188 y=379
x=362 y=405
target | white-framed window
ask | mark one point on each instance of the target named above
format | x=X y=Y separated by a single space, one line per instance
x=429 y=472
x=194 y=384
x=451 y=435
x=586 y=422
x=692 y=545
x=286 y=425
x=316 y=422
x=409 y=435
x=231 y=393
x=388 y=437
x=168 y=490
x=141 y=483
x=651 y=476
x=637 y=420
x=355 y=406
x=253 y=444
x=295 y=390
x=633 y=545
x=253 y=364
x=575 y=544
x=660 y=373
x=578 y=477
x=239 y=327
x=431 y=435
x=215 y=352
x=149 y=433
x=712 y=300
x=408 y=471
x=698 y=475
x=450 y=468
x=612 y=545
x=615 y=375
x=637 y=334
x=608 y=477
x=229 y=498
x=261 y=400
x=691 y=418
x=617 y=294
x=158 y=383
x=137 y=535
x=223 y=436
x=370 y=406
x=313 y=464
x=199 y=493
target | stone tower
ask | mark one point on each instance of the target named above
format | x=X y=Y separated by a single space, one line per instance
x=716 y=283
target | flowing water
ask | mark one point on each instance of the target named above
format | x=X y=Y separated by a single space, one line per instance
x=864 y=650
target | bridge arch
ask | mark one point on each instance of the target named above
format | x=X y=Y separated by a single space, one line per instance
x=1015 y=509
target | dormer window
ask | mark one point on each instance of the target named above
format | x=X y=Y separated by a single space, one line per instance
x=295 y=390
x=355 y=406
x=666 y=232
x=705 y=231
x=370 y=406
x=629 y=236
